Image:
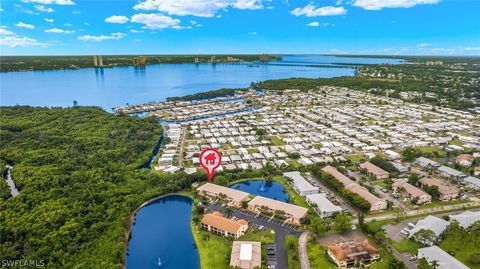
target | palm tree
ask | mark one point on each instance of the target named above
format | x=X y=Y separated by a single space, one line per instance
x=228 y=211
x=196 y=221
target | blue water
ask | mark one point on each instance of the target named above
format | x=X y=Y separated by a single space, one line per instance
x=266 y=188
x=111 y=87
x=162 y=238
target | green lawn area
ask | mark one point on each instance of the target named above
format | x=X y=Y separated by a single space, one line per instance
x=214 y=253
x=317 y=257
x=252 y=150
x=291 y=244
x=463 y=246
x=455 y=142
x=356 y=158
x=276 y=141
x=406 y=245
x=264 y=236
x=441 y=203
x=439 y=152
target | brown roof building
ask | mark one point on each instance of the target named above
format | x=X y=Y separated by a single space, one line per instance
x=412 y=192
x=375 y=202
x=214 y=191
x=217 y=224
x=292 y=213
x=246 y=254
x=374 y=171
x=353 y=253
x=447 y=191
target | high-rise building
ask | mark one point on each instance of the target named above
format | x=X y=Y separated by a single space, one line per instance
x=97 y=61
x=140 y=61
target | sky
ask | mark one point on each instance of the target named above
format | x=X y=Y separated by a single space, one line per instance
x=390 y=27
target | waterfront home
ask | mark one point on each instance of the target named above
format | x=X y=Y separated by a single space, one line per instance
x=246 y=255
x=292 y=213
x=324 y=207
x=353 y=254
x=374 y=171
x=217 y=224
x=299 y=183
x=467 y=218
x=447 y=191
x=431 y=223
x=228 y=195
x=442 y=259
x=411 y=192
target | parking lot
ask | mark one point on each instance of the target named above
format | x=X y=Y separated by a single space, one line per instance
x=257 y=221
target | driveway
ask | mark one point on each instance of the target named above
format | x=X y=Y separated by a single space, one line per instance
x=281 y=230
x=302 y=250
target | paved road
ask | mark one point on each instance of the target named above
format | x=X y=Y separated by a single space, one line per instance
x=280 y=229
x=183 y=135
x=10 y=183
x=302 y=250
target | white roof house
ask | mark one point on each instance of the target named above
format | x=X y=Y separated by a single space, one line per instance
x=442 y=258
x=472 y=181
x=300 y=184
x=324 y=207
x=467 y=218
x=432 y=223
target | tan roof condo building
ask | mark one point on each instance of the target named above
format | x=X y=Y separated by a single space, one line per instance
x=231 y=196
x=374 y=171
x=375 y=202
x=218 y=224
x=246 y=255
x=353 y=253
x=447 y=191
x=412 y=192
x=291 y=213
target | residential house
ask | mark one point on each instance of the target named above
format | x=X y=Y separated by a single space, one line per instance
x=299 y=183
x=442 y=259
x=447 y=191
x=412 y=192
x=292 y=213
x=246 y=255
x=374 y=171
x=432 y=223
x=353 y=254
x=217 y=224
x=231 y=196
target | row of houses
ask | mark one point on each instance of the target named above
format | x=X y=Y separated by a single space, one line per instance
x=376 y=203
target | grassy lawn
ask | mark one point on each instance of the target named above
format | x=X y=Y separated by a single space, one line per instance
x=463 y=246
x=276 y=141
x=441 y=203
x=356 y=158
x=214 y=253
x=291 y=244
x=455 y=142
x=264 y=236
x=252 y=150
x=293 y=163
x=317 y=257
x=439 y=152
x=406 y=245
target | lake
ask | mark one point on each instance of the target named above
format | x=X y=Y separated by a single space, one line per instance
x=162 y=237
x=266 y=188
x=111 y=87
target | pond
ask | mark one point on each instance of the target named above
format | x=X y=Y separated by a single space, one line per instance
x=161 y=237
x=266 y=188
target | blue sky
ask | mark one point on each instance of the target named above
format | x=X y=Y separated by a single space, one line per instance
x=53 y=27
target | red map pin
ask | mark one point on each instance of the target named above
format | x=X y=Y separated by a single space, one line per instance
x=210 y=159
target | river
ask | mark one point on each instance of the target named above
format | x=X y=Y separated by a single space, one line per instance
x=111 y=87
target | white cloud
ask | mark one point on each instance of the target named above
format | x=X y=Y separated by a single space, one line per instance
x=49 y=2
x=252 y=33
x=117 y=19
x=68 y=24
x=199 y=8
x=25 y=25
x=155 y=21
x=311 y=11
x=59 y=31
x=49 y=20
x=86 y=23
x=4 y=31
x=44 y=9
x=248 y=4
x=424 y=44
x=318 y=24
x=98 y=38
x=380 y=4
x=136 y=31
